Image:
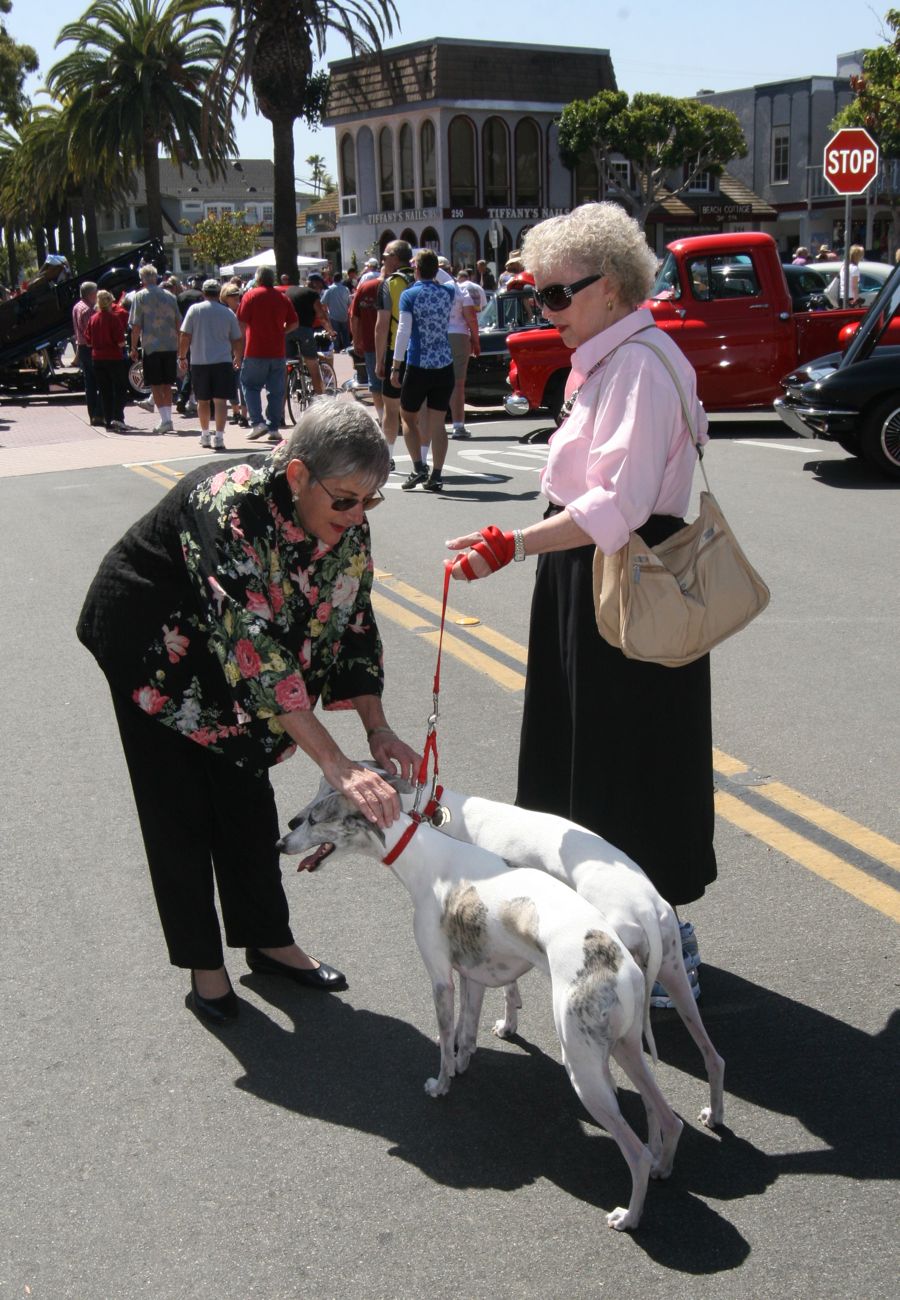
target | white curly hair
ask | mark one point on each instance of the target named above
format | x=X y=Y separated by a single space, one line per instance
x=594 y=239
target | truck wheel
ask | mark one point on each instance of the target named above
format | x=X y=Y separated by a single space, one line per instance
x=880 y=437
x=555 y=396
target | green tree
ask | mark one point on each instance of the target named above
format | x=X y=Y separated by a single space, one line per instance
x=135 y=82
x=219 y=241
x=16 y=61
x=316 y=164
x=271 y=49
x=657 y=134
x=876 y=106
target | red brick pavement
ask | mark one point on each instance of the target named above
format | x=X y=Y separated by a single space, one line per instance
x=44 y=435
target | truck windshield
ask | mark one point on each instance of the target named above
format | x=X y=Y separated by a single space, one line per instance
x=667 y=284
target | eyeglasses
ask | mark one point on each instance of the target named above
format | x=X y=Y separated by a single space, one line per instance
x=341 y=504
x=559 y=296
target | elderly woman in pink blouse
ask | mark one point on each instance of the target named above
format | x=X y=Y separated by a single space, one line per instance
x=619 y=746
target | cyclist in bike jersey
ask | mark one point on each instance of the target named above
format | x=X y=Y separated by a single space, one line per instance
x=398 y=276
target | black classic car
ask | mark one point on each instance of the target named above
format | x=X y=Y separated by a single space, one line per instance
x=853 y=398
x=506 y=313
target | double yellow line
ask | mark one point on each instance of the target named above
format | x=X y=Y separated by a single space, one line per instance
x=737 y=784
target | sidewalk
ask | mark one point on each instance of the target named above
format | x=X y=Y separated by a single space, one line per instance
x=43 y=435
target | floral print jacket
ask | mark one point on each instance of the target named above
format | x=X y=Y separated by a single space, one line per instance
x=216 y=613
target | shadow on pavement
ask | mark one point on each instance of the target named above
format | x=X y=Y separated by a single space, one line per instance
x=850 y=473
x=512 y=1119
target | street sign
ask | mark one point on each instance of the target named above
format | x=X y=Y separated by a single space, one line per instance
x=851 y=161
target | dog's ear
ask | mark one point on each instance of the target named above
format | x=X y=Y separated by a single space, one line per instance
x=297 y=820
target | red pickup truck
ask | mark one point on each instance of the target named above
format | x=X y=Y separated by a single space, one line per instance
x=725 y=301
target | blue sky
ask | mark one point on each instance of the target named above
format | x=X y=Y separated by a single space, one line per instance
x=674 y=49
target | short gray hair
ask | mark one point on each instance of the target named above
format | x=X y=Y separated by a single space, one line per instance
x=336 y=438
x=594 y=239
x=148 y=272
x=265 y=276
x=87 y=286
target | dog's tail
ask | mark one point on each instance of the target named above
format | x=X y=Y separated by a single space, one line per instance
x=654 y=961
x=648 y=1032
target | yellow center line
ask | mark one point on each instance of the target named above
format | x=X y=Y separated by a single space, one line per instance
x=505 y=677
x=870 y=842
x=151 y=474
x=812 y=856
x=168 y=469
x=497 y=640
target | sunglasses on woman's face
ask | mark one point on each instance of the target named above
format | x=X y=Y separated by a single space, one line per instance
x=341 y=504
x=557 y=297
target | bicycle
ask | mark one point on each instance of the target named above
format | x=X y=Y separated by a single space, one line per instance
x=299 y=389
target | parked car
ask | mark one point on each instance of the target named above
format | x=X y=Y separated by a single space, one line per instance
x=872 y=276
x=853 y=398
x=807 y=286
x=505 y=314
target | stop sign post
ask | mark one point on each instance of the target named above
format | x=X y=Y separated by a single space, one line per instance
x=850 y=167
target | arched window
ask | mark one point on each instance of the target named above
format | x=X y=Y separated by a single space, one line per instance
x=528 y=163
x=464 y=247
x=429 y=165
x=407 y=170
x=431 y=239
x=410 y=237
x=386 y=168
x=387 y=237
x=348 y=177
x=495 y=161
x=463 y=182
x=587 y=180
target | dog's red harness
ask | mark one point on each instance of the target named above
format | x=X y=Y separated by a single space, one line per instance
x=416 y=821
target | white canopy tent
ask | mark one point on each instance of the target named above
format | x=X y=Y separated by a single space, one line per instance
x=267 y=258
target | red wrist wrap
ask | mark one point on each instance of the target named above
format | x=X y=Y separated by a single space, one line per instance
x=497 y=549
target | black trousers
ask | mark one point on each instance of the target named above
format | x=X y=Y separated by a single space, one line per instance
x=91 y=393
x=621 y=747
x=110 y=379
x=204 y=820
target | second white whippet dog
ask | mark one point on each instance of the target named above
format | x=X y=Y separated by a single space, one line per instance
x=474 y=915
x=613 y=883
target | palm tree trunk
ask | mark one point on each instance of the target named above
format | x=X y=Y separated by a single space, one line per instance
x=285 y=206
x=12 y=261
x=65 y=232
x=90 y=225
x=151 y=184
x=40 y=244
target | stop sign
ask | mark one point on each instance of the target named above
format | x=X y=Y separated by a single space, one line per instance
x=851 y=160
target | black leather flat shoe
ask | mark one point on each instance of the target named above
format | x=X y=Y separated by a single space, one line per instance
x=323 y=977
x=218 y=1011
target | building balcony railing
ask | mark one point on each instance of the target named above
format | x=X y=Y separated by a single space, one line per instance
x=887 y=181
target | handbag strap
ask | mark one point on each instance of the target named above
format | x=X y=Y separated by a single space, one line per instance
x=688 y=413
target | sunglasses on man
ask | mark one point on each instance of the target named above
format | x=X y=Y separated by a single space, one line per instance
x=557 y=297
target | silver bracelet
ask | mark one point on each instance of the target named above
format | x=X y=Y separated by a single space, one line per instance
x=519 y=542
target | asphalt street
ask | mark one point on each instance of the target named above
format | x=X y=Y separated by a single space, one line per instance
x=296 y=1154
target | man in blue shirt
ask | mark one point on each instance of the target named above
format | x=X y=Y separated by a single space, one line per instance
x=423 y=340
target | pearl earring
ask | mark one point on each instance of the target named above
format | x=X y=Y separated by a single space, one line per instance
x=609 y=304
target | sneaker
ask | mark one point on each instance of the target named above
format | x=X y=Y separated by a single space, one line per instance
x=218 y=442
x=116 y=426
x=243 y=422
x=275 y=437
x=435 y=483
x=181 y=408
x=690 y=949
x=258 y=431
x=205 y=438
x=165 y=426
x=234 y=418
x=191 y=408
x=413 y=479
x=460 y=433
x=659 y=997
x=147 y=405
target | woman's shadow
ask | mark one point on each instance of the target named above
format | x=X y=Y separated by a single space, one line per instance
x=511 y=1120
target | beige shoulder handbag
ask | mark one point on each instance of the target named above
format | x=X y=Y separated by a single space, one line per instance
x=670 y=604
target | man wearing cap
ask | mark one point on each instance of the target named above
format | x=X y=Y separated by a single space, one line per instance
x=371 y=272
x=312 y=315
x=154 y=322
x=397 y=278
x=213 y=334
x=265 y=316
x=336 y=300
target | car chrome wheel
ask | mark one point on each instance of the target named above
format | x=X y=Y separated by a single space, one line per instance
x=881 y=437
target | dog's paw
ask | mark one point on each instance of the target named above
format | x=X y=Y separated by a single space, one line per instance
x=621 y=1220
x=437 y=1087
x=708 y=1119
x=503 y=1029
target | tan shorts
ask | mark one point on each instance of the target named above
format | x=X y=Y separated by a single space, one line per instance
x=461 y=348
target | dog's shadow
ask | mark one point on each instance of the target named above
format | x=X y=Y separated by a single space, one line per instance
x=511 y=1120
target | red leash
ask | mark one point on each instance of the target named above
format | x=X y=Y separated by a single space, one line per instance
x=430 y=749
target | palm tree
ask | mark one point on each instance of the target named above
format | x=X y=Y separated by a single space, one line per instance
x=316 y=164
x=272 y=48
x=135 y=81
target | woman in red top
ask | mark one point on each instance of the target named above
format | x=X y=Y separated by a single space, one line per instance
x=105 y=332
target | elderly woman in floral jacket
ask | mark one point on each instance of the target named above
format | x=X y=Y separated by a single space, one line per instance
x=220 y=619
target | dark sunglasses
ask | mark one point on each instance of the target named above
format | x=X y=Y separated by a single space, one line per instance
x=559 y=296
x=348 y=503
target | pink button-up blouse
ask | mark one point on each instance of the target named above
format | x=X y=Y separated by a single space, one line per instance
x=625 y=452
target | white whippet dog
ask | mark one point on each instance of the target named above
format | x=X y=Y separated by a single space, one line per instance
x=491 y=924
x=613 y=883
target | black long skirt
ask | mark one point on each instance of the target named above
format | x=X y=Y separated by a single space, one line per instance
x=621 y=747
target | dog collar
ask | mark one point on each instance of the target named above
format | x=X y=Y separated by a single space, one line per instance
x=416 y=819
